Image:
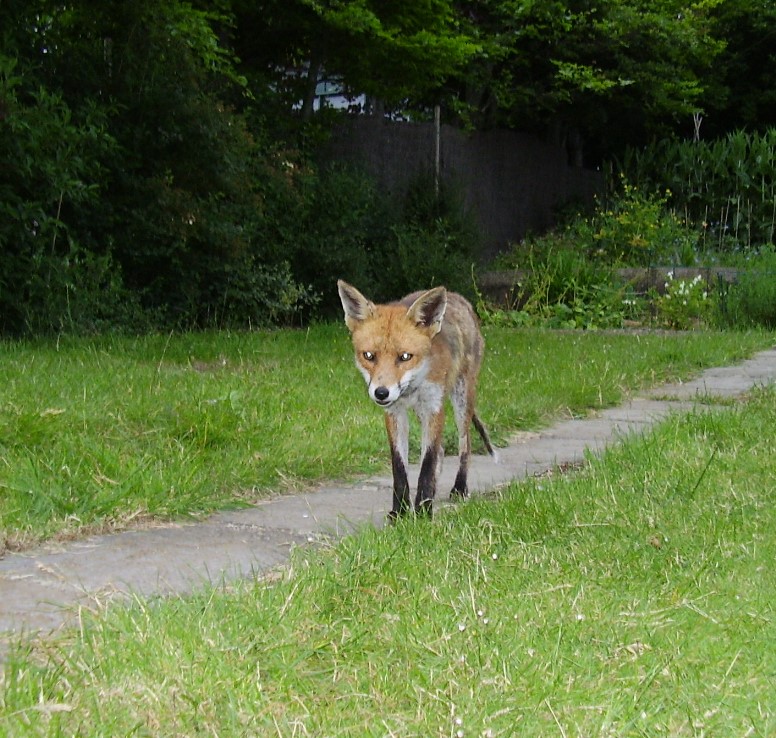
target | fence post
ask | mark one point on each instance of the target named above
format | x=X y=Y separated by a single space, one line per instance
x=437 y=147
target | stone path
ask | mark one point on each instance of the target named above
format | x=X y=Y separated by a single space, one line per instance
x=42 y=589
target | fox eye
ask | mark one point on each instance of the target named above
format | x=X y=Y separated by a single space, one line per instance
x=405 y=356
x=369 y=356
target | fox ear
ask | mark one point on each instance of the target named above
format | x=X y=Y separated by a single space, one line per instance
x=429 y=309
x=355 y=305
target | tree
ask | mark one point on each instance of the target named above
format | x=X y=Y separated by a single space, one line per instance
x=395 y=51
x=52 y=152
x=743 y=93
x=398 y=52
x=611 y=72
x=173 y=206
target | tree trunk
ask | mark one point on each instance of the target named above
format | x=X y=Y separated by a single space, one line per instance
x=313 y=72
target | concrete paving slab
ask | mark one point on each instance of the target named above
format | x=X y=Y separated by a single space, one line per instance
x=41 y=589
x=724 y=381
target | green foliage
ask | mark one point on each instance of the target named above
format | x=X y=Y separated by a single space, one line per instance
x=147 y=211
x=178 y=204
x=743 y=86
x=341 y=222
x=636 y=227
x=432 y=241
x=567 y=278
x=630 y=226
x=250 y=294
x=726 y=188
x=394 y=51
x=569 y=275
x=153 y=170
x=633 y=226
x=612 y=72
x=560 y=287
x=751 y=301
x=50 y=180
x=343 y=228
x=684 y=304
x=605 y=75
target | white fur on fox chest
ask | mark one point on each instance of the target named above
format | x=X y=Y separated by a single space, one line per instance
x=425 y=399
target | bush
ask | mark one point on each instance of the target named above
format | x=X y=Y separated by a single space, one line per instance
x=251 y=295
x=50 y=178
x=752 y=300
x=563 y=288
x=346 y=229
x=431 y=241
x=685 y=303
x=629 y=227
x=637 y=229
x=342 y=224
x=133 y=193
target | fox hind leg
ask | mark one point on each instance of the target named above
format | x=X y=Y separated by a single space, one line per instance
x=462 y=399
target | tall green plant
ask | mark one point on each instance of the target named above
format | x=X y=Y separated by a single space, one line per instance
x=727 y=187
x=51 y=176
x=432 y=241
x=634 y=226
x=751 y=301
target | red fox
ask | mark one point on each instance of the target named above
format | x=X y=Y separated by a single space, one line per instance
x=413 y=353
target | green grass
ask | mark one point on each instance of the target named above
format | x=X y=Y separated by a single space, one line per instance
x=101 y=433
x=636 y=597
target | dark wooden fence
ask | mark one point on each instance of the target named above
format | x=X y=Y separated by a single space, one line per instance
x=513 y=184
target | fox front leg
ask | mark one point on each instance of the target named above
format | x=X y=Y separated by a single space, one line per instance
x=431 y=460
x=397 y=425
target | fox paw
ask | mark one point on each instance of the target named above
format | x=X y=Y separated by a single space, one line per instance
x=458 y=494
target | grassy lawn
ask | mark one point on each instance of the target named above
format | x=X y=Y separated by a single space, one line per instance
x=98 y=434
x=636 y=597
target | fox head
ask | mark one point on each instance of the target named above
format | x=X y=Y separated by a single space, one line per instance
x=393 y=342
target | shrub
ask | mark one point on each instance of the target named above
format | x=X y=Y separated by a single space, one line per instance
x=629 y=227
x=561 y=287
x=431 y=241
x=341 y=225
x=50 y=178
x=752 y=300
x=637 y=229
x=385 y=246
x=248 y=294
x=417 y=257
x=685 y=303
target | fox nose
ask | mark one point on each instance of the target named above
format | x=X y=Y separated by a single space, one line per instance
x=381 y=394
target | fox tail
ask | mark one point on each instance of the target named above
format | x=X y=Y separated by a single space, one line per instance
x=483 y=431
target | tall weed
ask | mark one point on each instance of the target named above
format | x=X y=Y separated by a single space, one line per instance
x=752 y=300
x=726 y=187
x=635 y=226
